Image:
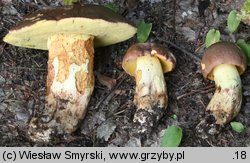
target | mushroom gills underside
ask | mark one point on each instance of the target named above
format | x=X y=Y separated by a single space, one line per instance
x=70 y=83
x=227 y=99
x=150 y=94
x=35 y=36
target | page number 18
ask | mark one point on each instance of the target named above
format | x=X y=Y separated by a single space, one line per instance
x=240 y=155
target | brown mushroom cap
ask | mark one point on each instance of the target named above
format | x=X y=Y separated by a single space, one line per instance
x=165 y=57
x=106 y=26
x=222 y=53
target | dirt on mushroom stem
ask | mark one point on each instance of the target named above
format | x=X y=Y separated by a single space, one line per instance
x=226 y=102
x=150 y=94
x=70 y=83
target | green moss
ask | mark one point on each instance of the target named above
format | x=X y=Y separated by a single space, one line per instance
x=245 y=11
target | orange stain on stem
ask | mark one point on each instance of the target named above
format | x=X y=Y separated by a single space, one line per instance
x=69 y=52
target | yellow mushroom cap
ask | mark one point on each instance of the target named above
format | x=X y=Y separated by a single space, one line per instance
x=106 y=26
x=165 y=57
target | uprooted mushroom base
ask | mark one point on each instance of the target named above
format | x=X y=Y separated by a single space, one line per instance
x=70 y=83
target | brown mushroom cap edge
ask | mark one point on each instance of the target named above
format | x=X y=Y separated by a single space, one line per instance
x=165 y=57
x=106 y=26
x=222 y=53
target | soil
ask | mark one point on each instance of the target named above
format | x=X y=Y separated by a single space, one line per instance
x=178 y=25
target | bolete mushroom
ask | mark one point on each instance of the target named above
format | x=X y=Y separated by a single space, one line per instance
x=222 y=62
x=70 y=33
x=148 y=62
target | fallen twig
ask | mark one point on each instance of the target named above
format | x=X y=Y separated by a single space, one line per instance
x=122 y=77
x=2 y=48
x=202 y=90
x=24 y=68
x=197 y=59
x=43 y=3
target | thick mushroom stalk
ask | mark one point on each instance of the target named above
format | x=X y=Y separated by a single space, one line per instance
x=70 y=82
x=150 y=92
x=148 y=62
x=227 y=98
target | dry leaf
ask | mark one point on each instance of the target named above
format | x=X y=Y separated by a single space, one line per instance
x=106 y=81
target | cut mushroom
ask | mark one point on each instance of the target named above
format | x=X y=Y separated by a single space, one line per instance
x=222 y=62
x=147 y=62
x=70 y=34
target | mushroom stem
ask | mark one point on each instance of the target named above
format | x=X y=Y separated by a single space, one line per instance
x=70 y=82
x=227 y=98
x=150 y=93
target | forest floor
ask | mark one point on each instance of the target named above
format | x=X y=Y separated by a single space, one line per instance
x=178 y=25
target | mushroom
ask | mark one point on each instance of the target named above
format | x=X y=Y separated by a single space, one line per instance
x=70 y=34
x=147 y=62
x=222 y=62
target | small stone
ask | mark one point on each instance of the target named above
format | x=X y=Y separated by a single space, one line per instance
x=133 y=142
x=21 y=116
x=188 y=33
x=9 y=10
x=106 y=130
x=2 y=80
x=246 y=93
x=184 y=14
x=3 y=106
x=246 y=108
